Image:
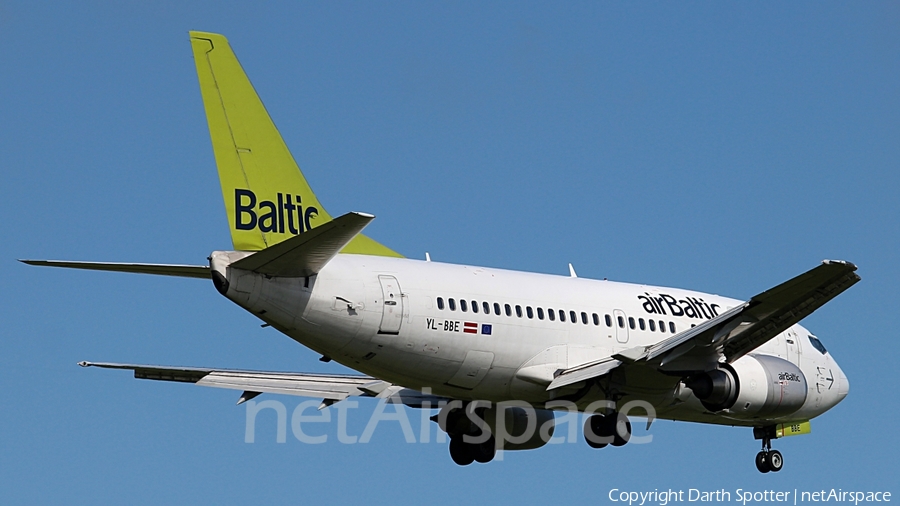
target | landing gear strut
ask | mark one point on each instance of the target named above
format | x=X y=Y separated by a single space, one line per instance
x=767 y=459
x=612 y=428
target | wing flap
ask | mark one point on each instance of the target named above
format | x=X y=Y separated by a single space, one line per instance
x=304 y=385
x=584 y=372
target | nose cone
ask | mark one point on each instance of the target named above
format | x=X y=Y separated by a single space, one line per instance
x=843 y=384
x=839 y=384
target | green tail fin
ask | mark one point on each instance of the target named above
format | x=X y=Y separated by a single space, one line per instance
x=266 y=196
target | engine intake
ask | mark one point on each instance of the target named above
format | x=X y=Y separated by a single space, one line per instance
x=753 y=386
x=717 y=389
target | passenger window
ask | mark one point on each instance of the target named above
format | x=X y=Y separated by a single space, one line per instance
x=462 y=305
x=551 y=314
x=440 y=303
x=487 y=308
x=662 y=326
x=572 y=317
x=562 y=315
x=529 y=312
x=672 y=327
x=596 y=319
x=608 y=320
x=474 y=306
x=540 y=312
x=518 y=310
x=497 y=309
x=584 y=317
x=621 y=322
x=631 y=322
x=452 y=304
x=641 y=324
x=652 y=324
x=508 y=310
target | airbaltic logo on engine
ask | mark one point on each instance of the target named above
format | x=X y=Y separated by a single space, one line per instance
x=271 y=216
x=788 y=376
x=692 y=307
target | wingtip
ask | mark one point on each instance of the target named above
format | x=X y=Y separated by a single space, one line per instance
x=851 y=265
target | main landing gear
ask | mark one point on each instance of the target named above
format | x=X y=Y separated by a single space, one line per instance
x=468 y=443
x=464 y=453
x=767 y=459
x=612 y=428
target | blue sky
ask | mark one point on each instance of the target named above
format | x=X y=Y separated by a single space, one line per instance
x=719 y=147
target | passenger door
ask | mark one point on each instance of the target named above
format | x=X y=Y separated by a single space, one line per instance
x=793 y=346
x=392 y=305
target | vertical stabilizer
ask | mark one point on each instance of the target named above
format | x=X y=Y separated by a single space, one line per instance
x=267 y=199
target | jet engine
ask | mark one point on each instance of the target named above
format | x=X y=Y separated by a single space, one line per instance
x=753 y=386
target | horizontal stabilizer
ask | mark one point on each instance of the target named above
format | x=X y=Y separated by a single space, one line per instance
x=184 y=271
x=329 y=387
x=307 y=253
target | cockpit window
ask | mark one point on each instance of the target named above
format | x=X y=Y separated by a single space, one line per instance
x=817 y=344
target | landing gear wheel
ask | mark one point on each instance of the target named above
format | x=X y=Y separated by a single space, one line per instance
x=595 y=431
x=483 y=452
x=774 y=461
x=767 y=460
x=460 y=452
x=621 y=430
x=761 y=462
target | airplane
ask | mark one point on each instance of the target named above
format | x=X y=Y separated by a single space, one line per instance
x=467 y=338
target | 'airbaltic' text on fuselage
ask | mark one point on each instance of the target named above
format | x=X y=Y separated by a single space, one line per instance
x=271 y=216
x=692 y=307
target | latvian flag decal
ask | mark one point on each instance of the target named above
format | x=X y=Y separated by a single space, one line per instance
x=472 y=328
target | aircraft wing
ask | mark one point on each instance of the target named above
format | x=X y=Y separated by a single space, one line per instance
x=330 y=388
x=733 y=333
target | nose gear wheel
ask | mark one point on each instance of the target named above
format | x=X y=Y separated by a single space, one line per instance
x=768 y=459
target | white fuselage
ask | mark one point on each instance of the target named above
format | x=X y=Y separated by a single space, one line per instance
x=423 y=325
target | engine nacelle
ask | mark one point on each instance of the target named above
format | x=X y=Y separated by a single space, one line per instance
x=517 y=427
x=753 y=386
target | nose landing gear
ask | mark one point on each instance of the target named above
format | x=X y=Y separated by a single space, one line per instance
x=767 y=459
